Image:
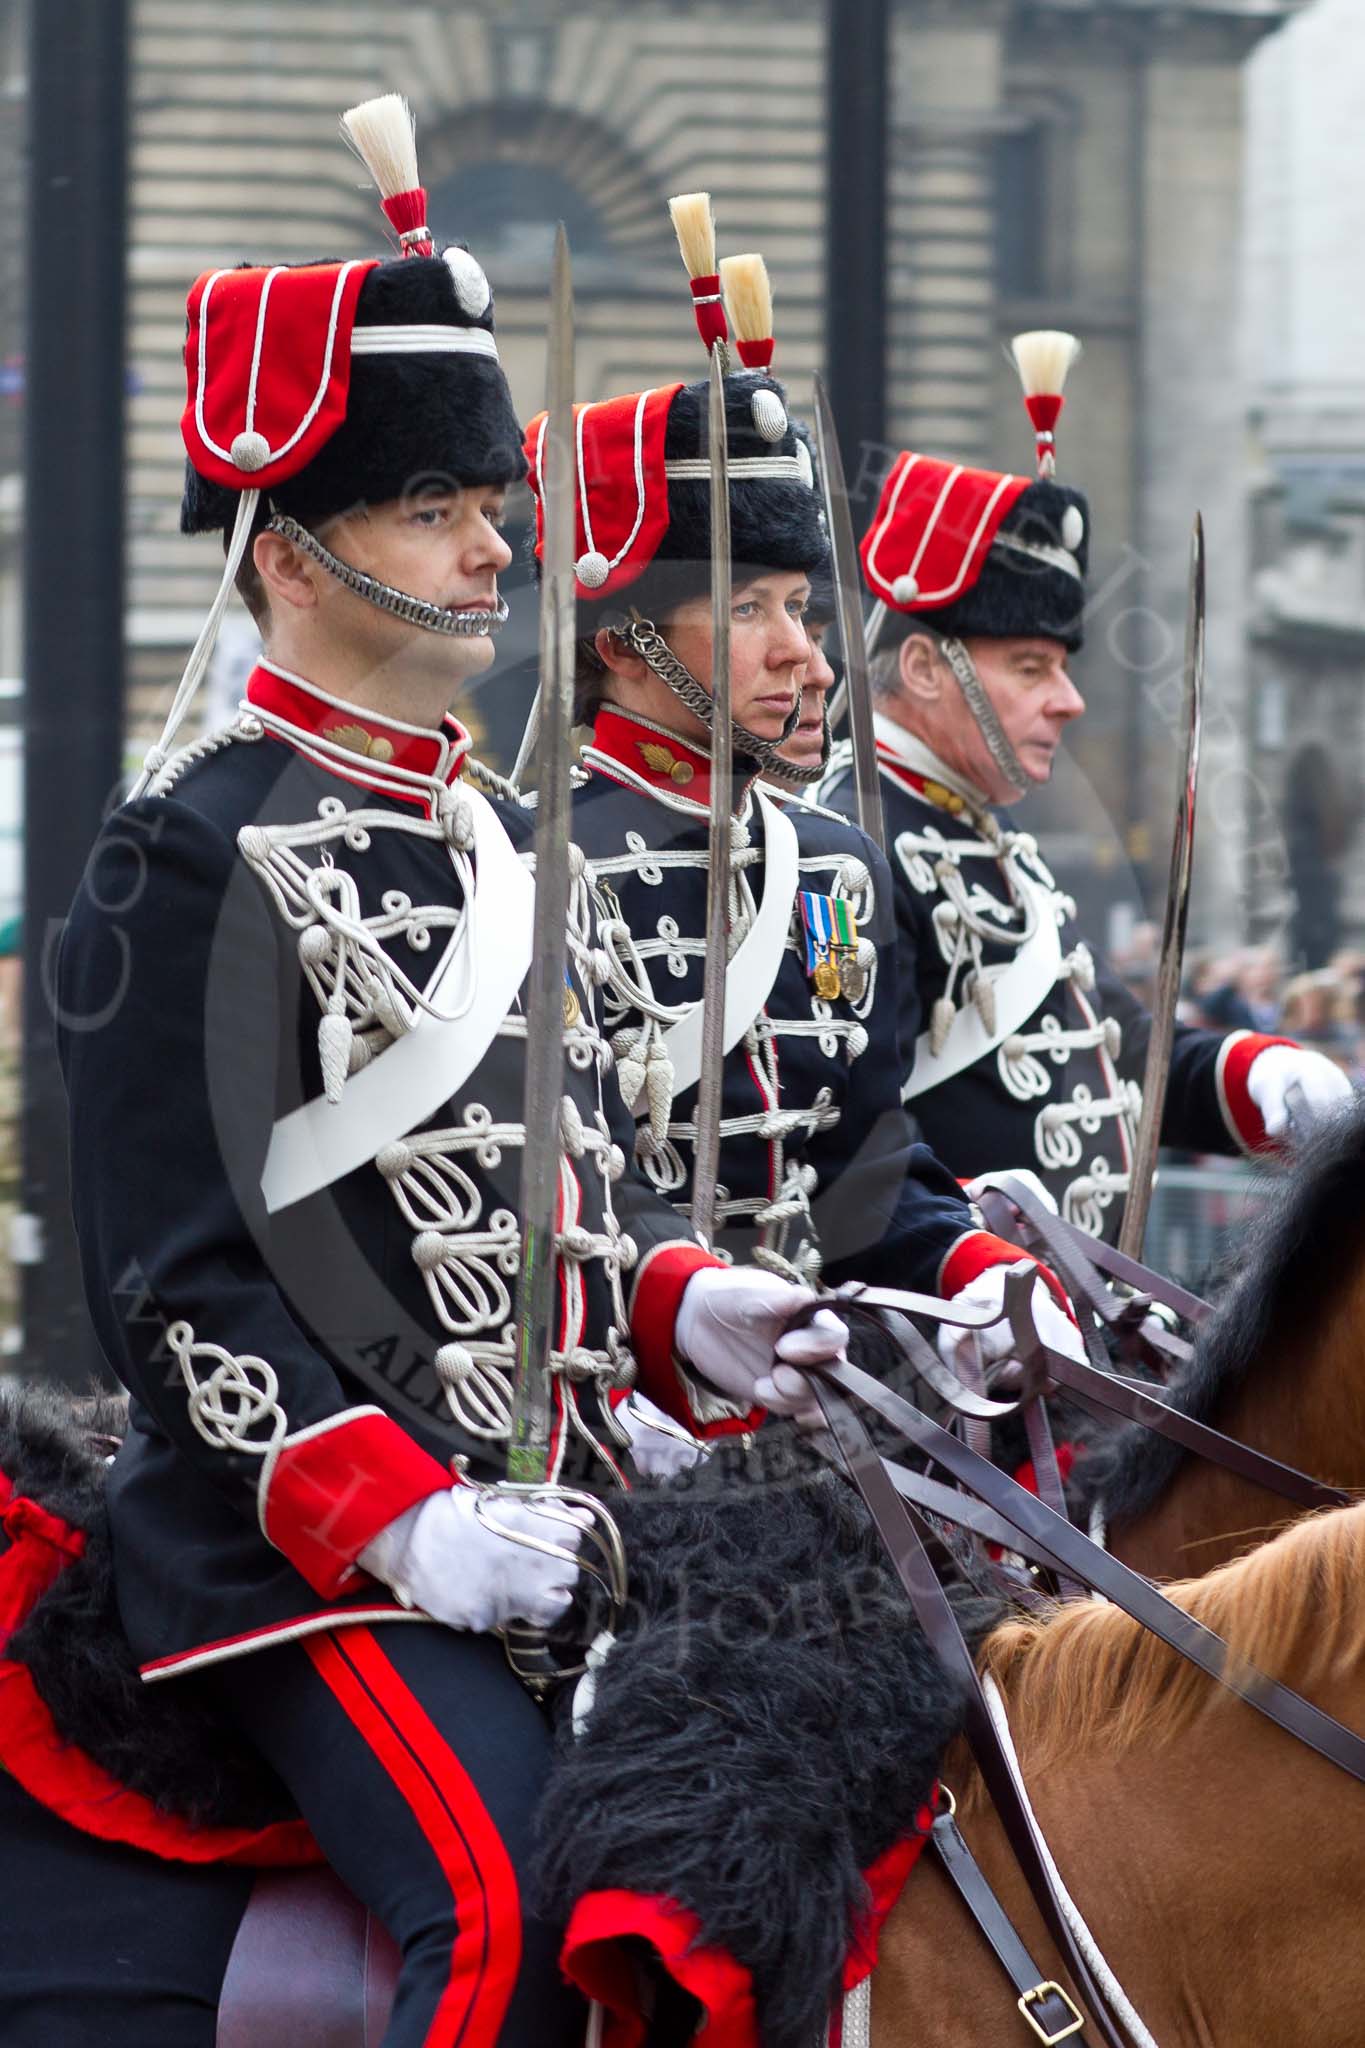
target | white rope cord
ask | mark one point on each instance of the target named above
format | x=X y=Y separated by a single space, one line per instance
x=1120 y=2003
x=202 y=652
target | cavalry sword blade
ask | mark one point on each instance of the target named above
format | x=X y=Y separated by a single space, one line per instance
x=1157 y=1070
x=849 y=610
x=546 y=1010
x=706 y=1155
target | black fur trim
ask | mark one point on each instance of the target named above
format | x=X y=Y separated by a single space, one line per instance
x=166 y=1742
x=770 y=1722
x=1016 y=596
x=412 y=422
x=1301 y=1248
x=774 y=524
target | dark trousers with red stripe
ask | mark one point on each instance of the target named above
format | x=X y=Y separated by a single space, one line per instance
x=417 y=1760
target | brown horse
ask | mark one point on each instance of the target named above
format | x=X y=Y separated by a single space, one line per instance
x=1216 y=1860
x=1280 y=1366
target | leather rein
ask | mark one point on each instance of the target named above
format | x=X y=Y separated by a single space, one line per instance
x=994 y=1507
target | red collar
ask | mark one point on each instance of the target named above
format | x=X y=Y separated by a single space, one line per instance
x=656 y=756
x=372 y=745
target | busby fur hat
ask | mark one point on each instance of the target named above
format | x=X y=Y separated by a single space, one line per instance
x=409 y=420
x=974 y=552
x=643 y=476
x=967 y=551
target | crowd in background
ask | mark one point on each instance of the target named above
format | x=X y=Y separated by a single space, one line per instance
x=1252 y=989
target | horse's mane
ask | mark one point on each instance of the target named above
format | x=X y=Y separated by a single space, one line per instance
x=1088 y=1676
x=1289 y=1263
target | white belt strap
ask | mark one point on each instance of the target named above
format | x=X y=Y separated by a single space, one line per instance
x=1020 y=986
x=751 y=973
x=322 y=1141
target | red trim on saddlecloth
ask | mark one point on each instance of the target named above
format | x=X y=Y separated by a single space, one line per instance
x=61 y=1776
x=981 y=1249
x=1026 y=1477
x=659 y=1286
x=438 y=753
x=1240 y=1113
x=327 y=1495
x=486 y=1953
x=595 y=1959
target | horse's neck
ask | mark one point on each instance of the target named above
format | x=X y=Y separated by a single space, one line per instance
x=1303 y=1402
x=1212 y=1873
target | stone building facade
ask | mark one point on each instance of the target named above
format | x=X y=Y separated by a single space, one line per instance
x=1304 y=321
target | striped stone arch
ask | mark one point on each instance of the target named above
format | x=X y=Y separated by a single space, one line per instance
x=501 y=175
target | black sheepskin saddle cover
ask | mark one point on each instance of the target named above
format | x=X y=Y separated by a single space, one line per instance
x=162 y=1741
x=768 y=1724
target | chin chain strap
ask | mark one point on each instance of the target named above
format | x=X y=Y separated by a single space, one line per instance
x=983 y=711
x=643 y=637
x=414 y=611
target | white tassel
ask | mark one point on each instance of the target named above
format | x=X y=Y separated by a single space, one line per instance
x=334 y=1051
x=384 y=136
x=983 y=995
x=941 y=1023
x=659 y=1083
x=630 y=1077
x=1043 y=357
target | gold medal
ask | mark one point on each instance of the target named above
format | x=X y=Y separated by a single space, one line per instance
x=573 y=1011
x=826 y=980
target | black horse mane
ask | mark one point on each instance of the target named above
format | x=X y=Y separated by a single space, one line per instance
x=772 y=1726
x=1290 y=1258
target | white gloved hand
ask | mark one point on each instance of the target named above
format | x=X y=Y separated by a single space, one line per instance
x=443 y=1558
x=731 y=1325
x=1278 y=1068
x=659 y=1446
x=997 y=1341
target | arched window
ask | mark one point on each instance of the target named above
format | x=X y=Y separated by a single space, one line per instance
x=500 y=177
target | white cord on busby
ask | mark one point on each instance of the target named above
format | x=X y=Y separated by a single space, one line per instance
x=154 y=760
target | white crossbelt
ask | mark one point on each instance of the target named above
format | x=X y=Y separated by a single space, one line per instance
x=1020 y=985
x=750 y=975
x=323 y=1141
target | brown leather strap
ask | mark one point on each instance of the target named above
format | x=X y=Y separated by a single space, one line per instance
x=1045 y=2006
x=1062 y=1239
x=1070 y=1552
x=309 y=1967
x=899 y=1530
x=1097 y=1390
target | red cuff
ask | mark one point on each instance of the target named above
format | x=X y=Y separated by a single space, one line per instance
x=657 y=1297
x=329 y=1489
x=1240 y=1113
x=977 y=1252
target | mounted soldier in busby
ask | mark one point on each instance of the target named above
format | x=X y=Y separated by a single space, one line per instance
x=1021 y=1048
x=815 y=1172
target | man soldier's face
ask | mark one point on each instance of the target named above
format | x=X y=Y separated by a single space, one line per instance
x=768 y=655
x=805 y=748
x=1027 y=682
x=442 y=545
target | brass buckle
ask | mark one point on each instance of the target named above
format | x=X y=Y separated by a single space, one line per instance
x=1034 y=1996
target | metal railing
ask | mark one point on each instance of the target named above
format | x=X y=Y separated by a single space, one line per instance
x=1196 y=1215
